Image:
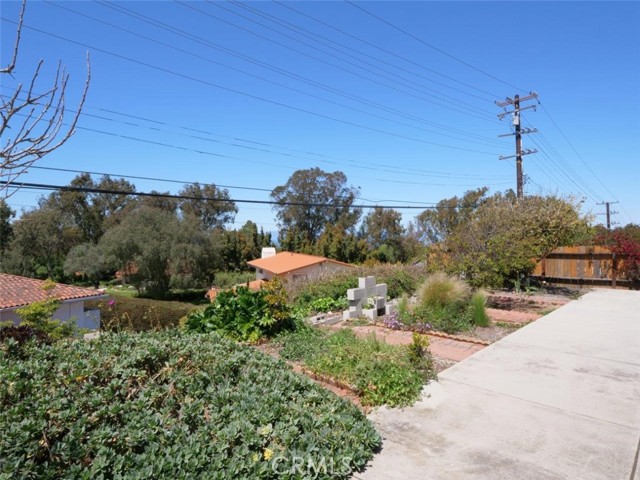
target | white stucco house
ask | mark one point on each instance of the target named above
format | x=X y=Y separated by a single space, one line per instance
x=17 y=291
x=293 y=266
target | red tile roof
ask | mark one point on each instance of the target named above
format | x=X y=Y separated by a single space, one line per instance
x=285 y=262
x=18 y=291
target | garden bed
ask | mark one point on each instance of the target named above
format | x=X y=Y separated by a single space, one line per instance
x=162 y=405
x=378 y=373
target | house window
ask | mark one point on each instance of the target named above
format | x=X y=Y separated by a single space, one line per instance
x=299 y=276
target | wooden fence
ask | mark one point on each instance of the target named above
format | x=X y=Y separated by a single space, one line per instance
x=581 y=266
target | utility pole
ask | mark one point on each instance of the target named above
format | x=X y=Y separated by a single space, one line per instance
x=519 y=131
x=609 y=213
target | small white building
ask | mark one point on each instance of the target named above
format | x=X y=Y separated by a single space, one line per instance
x=293 y=266
x=16 y=292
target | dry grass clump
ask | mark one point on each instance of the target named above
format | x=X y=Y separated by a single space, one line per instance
x=441 y=290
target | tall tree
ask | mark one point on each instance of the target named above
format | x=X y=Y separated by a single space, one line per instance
x=94 y=212
x=42 y=238
x=311 y=200
x=6 y=230
x=237 y=247
x=165 y=203
x=336 y=243
x=88 y=260
x=382 y=229
x=208 y=203
x=434 y=225
x=163 y=249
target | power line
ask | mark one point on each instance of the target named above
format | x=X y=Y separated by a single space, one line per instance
x=393 y=54
x=363 y=167
x=345 y=50
x=565 y=168
x=582 y=159
x=183 y=182
x=418 y=39
x=394 y=168
x=289 y=47
x=235 y=187
x=418 y=87
x=250 y=95
x=71 y=188
x=280 y=71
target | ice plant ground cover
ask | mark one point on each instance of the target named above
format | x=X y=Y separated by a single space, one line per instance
x=166 y=405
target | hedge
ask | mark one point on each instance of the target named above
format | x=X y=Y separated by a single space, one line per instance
x=140 y=314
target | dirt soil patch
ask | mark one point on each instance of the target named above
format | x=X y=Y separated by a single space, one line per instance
x=538 y=303
x=493 y=333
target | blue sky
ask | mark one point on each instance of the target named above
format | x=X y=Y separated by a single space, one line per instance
x=244 y=94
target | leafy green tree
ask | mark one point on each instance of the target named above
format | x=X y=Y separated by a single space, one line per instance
x=86 y=259
x=340 y=245
x=162 y=203
x=383 y=231
x=292 y=239
x=504 y=237
x=162 y=249
x=93 y=212
x=6 y=230
x=302 y=210
x=42 y=238
x=208 y=203
x=435 y=225
x=237 y=247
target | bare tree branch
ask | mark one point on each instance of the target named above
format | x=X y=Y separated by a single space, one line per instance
x=9 y=68
x=32 y=124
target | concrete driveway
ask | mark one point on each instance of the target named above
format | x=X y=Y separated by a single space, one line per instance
x=557 y=399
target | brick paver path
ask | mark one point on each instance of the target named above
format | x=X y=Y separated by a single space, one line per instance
x=441 y=347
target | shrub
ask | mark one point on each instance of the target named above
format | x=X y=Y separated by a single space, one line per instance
x=165 y=405
x=139 y=314
x=326 y=304
x=243 y=314
x=441 y=290
x=14 y=338
x=191 y=295
x=380 y=373
x=38 y=315
x=231 y=279
x=450 y=319
x=477 y=309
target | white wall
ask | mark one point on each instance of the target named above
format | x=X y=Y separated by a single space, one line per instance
x=314 y=270
x=310 y=271
x=72 y=309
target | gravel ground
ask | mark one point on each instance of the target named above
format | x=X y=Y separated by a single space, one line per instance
x=441 y=364
x=492 y=333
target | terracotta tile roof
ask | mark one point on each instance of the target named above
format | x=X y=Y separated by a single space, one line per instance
x=18 y=291
x=285 y=262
